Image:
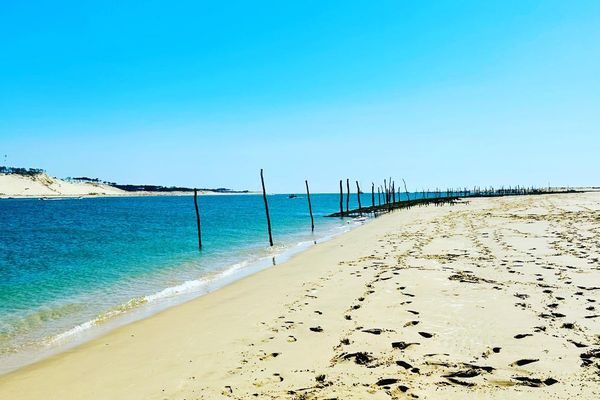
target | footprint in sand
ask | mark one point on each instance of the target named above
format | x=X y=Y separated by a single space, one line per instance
x=403 y=364
x=360 y=357
x=462 y=383
x=522 y=335
x=406 y=365
x=426 y=335
x=535 y=382
x=577 y=344
x=386 y=381
x=524 y=361
x=469 y=373
x=403 y=345
x=374 y=331
x=269 y=356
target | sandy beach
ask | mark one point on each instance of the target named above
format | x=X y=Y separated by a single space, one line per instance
x=493 y=298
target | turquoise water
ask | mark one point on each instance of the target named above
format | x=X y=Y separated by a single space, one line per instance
x=70 y=265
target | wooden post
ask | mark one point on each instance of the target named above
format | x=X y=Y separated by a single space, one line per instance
x=373 y=195
x=386 y=191
x=262 y=180
x=358 y=196
x=312 y=221
x=347 y=194
x=341 y=200
x=197 y=219
x=379 y=195
x=393 y=192
x=406 y=190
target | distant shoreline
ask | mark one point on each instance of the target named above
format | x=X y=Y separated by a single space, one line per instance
x=128 y=194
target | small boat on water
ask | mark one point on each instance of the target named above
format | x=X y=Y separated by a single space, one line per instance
x=292 y=196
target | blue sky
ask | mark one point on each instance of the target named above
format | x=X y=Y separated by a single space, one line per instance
x=442 y=93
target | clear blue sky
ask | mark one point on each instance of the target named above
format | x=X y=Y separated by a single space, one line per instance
x=442 y=93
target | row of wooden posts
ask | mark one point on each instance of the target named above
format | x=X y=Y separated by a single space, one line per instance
x=388 y=192
x=264 y=192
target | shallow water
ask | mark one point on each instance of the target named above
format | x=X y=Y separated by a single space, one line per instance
x=69 y=265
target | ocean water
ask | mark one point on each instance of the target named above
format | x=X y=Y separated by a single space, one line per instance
x=71 y=268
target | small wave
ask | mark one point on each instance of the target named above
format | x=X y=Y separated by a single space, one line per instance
x=23 y=325
x=187 y=287
x=102 y=318
x=193 y=287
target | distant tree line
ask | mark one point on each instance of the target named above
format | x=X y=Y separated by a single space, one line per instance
x=155 y=188
x=21 y=171
x=85 y=179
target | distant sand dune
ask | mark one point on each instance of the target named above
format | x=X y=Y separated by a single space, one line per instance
x=43 y=185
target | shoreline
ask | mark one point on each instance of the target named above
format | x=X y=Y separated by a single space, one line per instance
x=127 y=194
x=3 y=196
x=140 y=308
x=453 y=264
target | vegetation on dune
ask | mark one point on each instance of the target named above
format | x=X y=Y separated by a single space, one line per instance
x=20 y=171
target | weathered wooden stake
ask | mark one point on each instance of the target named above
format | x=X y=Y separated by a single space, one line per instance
x=197 y=219
x=341 y=200
x=358 y=196
x=373 y=194
x=406 y=190
x=262 y=180
x=312 y=221
x=347 y=194
x=386 y=191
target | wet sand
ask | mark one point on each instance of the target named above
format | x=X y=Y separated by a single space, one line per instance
x=497 y=298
